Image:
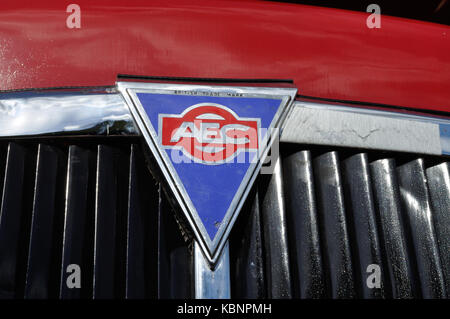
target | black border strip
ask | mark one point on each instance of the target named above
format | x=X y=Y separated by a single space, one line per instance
x=212 y=80
x=56 y=88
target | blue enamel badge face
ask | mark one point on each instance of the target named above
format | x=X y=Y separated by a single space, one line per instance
x=210 y=143
x=193 y=132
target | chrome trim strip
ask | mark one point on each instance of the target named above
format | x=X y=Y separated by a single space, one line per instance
x=106 y=113
x=67 y=113
x=445 y=138
x=212 y=284
x=324 y=124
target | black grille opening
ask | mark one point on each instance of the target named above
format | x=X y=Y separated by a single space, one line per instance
x=90 y=202
x=310 y=230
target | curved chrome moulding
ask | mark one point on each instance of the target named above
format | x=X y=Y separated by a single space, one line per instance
x=65 y=113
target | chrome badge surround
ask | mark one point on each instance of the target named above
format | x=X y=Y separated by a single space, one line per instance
x=211 y=248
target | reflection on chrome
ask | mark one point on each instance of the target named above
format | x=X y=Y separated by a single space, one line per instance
x=67 y=113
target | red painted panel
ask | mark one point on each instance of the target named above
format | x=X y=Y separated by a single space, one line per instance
x=328 y=53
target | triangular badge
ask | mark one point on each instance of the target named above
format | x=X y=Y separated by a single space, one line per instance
x=209 y=142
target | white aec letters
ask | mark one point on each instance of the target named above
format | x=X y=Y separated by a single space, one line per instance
x=212 y=133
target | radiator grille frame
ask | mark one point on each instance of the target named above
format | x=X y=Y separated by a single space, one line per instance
x=131 y=245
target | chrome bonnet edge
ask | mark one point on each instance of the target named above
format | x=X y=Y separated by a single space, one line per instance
x=65 y=113
x=106 y=113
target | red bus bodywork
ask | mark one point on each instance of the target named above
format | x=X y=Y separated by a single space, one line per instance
x=329 y=53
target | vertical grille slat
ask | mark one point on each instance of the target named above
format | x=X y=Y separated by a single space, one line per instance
x=336 y=246
x=10 y=218
x=140 y=261
x=247 y=256
x=387 y=198
x=164 y=283
x=78 y=234
x=181 y=280
x=175 y=264
x=303 y=226
x=13 y=220
x=105 y=224
x=3 y=155
x=275 y=237
x=439 y=186
x=415 y=199
x=135 y=282
x=44 y=253
x=362 y=221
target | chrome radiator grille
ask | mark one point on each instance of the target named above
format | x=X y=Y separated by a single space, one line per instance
x=310 y=230
x=326 y=216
